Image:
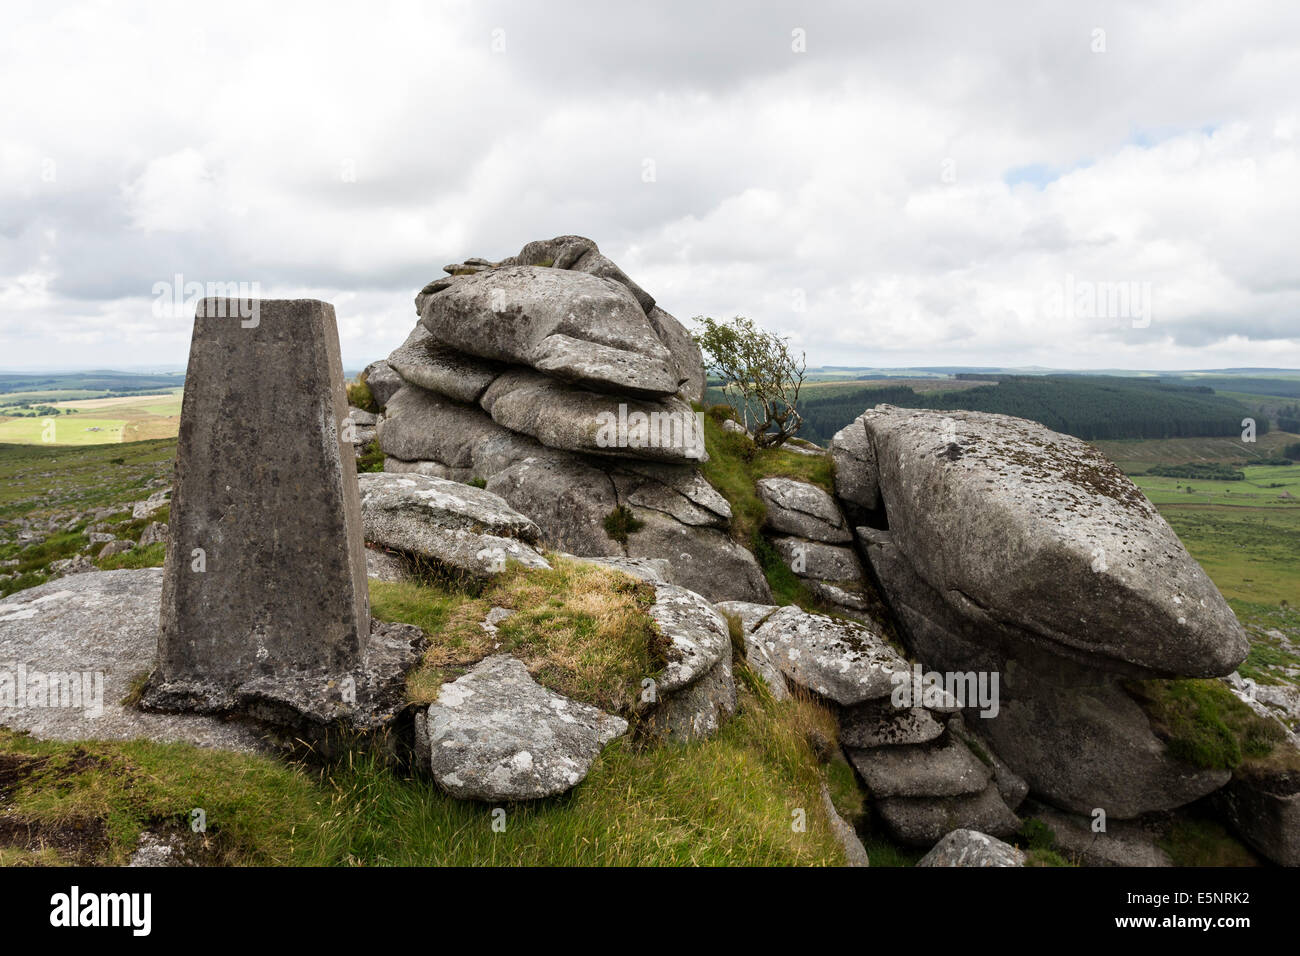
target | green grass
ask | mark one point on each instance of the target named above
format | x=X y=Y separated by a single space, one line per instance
x=582 y=629
x=735 y=465
x=1205 y=725
x=730 y=801
x=1194 y=841
x=68 y=430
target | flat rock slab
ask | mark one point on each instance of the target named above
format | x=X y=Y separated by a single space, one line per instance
x=576 y=419
x=1017 y=524
x=424 y=361
x=804 y=510
x=103 y=624
x=457 y=526
x=820 y=561
x=844 y=661
x=879 y=723
x=972 y=848
x=496 y=734
x=924 y=821
x=946 y=769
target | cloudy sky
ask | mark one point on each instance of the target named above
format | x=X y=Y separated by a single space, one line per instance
x=1090 y=186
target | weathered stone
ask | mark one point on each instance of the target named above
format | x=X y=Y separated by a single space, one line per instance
x=706 y=560
x=823 y=562
x=100 y=627
x=945 y=769
x=972 y=848
x=804 y=510
x=678 y=491
x=395 y=466
x=1082 y=746
x=686 y=362
x=576 y=327
x=855 y=854
x=496 y=734
x=841 y=660
x=1122 y=843
x=879 y=723
x=856 y=480
x=116 y=547
x=569 y=500
x=383 y=382
x=458 y=526
x=699 y=710
x=649 y=570
x=143 y=509
x=154 y=533
x=1012 y=787
x=923 y=821
x=1017 y=525
x=266 y=515
x=419 y=425
x=698 y=634
x=576 y=419
x=386 y=566
x=1263 y=806
x=424 y=361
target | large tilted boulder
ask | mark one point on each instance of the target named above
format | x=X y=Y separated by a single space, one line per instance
x=1018 y=552
x=496 y=734
x=1015 y=523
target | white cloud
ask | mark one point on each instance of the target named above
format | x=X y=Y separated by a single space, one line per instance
x=347 y=154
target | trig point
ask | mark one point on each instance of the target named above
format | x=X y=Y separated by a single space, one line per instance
x=264 y=606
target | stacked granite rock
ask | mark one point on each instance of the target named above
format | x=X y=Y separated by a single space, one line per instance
x=811 y=534
x=918 y=767
x=1005 y=548
x=513 y=376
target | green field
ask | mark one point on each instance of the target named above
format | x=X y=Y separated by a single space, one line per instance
x=68 y=430
x=94 y=421
x=1140 y=454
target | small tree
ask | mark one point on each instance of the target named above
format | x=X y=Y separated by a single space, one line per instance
x=757 y=367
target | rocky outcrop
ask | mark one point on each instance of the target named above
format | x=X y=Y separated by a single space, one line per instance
x=1014 y=551
x=972 y=848
x=496 y=734
x=696 y=692
x=555 y=379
